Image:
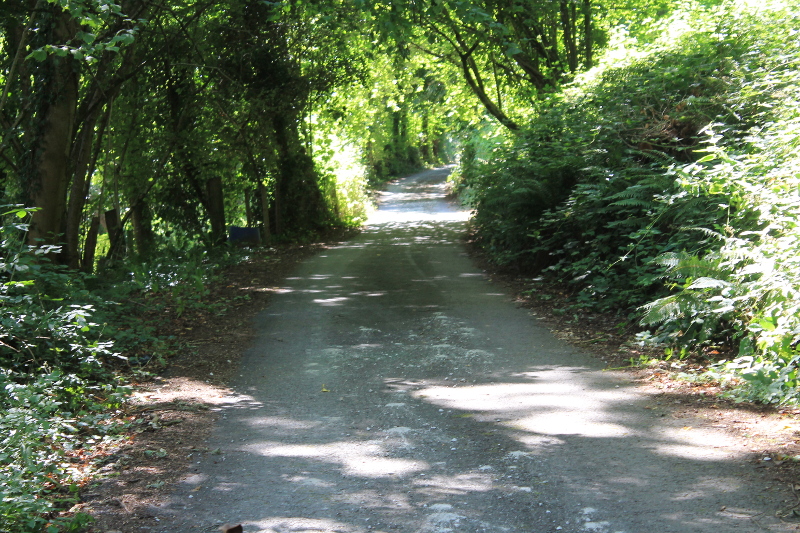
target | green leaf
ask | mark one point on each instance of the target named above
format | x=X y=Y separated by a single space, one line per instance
x=86 y=37
x=513 y=49
x=126 y=38
x=20 y=213
x=767 y=325
x=38 y=55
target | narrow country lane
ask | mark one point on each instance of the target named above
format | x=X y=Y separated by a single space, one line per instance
x=393 y=388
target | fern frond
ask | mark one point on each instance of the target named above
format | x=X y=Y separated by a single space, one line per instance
x=654 y=155
x=708 y=283
x=634 y=191
x=671 y=308
x=708 y=232
x=661 y=310
x=632 y=202
x=692 y=265
x=669 y=259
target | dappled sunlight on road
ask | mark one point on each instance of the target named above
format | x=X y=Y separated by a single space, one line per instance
x=394 y=390
x=551 y=413
x=392 y=501
x=560 y=408
x=692 y=443
x=299 y=524
x=362 y=459
x=392 y=220
x=282 y=425
x=412 y=205
x=559 y=403
x=331 y=302
x=404 y=200
x=436 y=486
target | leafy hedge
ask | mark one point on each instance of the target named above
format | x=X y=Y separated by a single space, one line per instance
x=675 y=161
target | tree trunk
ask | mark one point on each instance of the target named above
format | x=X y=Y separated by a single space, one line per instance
x=265 y=230
x=398 y=162
x=87 y=138
x=425 y=142
x=141 y=220
x=529 y=66
x=587 y=32
x=568 y=31
x=278 y=194
x=90 y=245
x=300 y=206
x=216 y=209
x=248 y=208
x=475 y=83
x=49 y=177
x=116 y=236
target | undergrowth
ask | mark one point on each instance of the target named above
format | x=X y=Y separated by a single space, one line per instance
x=663 y=185
x=57 y=395
x=68 y=344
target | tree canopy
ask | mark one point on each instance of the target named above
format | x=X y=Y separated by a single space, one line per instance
x=144 y=113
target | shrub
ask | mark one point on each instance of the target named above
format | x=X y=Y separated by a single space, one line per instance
x=55 y=389
x=679 y=164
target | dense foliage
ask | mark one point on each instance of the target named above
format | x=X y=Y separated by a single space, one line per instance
x=663 y=183
x=641 y=153
x=57 y=395
x=66 y=341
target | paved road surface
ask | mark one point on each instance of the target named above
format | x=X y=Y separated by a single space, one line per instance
x=393 y=388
